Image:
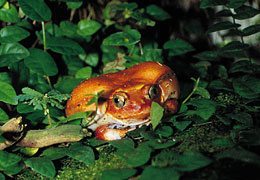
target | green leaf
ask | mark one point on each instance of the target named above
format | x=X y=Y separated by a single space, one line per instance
x=156 y=173
x=37 y=10
x=3 y=116
x=9 y=15
x=74 y=5
x=240 y=154
x=222 y=143
x=41 y=62
x=82 y=153
x=15 y=169
x=54 y=153
x=88 y=27
x=84 y=73
x=224 y=25
x=11 y=53
x=245 y=12
x=125 y=38
x=126 y=6
x=221 y=85
x=91 y=59
x=244 y=66
x=178 y=47
x=157 y=13
x=118 y=174
x=207 y=55
x=242 y=117
x=224 y=13
x=67 y=85
x=233 y=49
x=212 y=3
x=247 y=86
x=123 y=145
x=64 y=46
x=2 y=2
x=205 y=108
x=2 y=177
x=235 y=3
x=137 y=157
x=182 y=125
x=165 y=131
x=190 y=161
x=202 y=92
x=8 y=159
x=42 y=165
x=7 y=93
x=156 y=114
x=251 y=30
x=11 y=34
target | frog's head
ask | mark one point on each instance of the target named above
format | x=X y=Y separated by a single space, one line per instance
x=127 y=98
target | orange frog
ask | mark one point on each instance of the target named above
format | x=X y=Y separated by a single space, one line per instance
x=127 y=97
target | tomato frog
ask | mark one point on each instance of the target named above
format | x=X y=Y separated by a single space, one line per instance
x=126 y=100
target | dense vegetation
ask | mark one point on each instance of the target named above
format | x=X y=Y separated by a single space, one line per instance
x=48 y=47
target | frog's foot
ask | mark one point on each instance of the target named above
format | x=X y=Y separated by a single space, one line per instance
x=114 y=131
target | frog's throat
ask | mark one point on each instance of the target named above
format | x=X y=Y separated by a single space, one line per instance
x=102 y=118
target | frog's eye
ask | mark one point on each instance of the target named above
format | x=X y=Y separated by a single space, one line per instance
x=119 y=100
x=153 y=92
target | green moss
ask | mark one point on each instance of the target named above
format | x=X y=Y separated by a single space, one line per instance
x=72 y=169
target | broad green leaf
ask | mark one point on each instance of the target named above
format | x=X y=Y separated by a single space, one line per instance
x=7 y=93
x=212 y=3
x=178 y=47
x=220 y=85
x=11 y=34
x=123 y=145
x=182 y=125
x=250 y=137
x=251 y=30
x=67 y=85
x=244 y=66
x=125 y=38
x=54 y=153
x=157 y=173
x=190 y=161
x=157 y=144
x=245 y=12
x=224 y=25
x=137 y=157
x=88 y=27
x=222 y=143
x=42 y=165
x=41 y=62
x=3 y=116
x=2 y=2
x=247 y=86
x=239 y=154
x=11 y=53
x=69 y=29
x=37 y=10
x=118 y=174
x=9 y=14
x=157 y=13
x=203 y=92
x=224 y=13
x=14 y=169
x=64 y=46
x=8 y=159
x=126 y=6
x=74 y=5
x=91 y=59
x=165 y=131
x=205 y=108
x=84 y=73
x=156 y=114
x=242 y=117
x=236 y=3
x=82 y=153
x=207 y=55
x=233 y=49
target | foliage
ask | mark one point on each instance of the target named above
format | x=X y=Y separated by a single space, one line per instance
x=43 y=56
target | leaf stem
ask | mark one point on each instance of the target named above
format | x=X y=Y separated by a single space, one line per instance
x=44 y=36
x=193 y=91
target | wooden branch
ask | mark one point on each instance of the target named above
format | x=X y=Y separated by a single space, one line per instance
x=47 y=137
x=40 y=138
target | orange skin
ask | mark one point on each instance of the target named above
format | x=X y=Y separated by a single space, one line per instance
x=133 y=86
